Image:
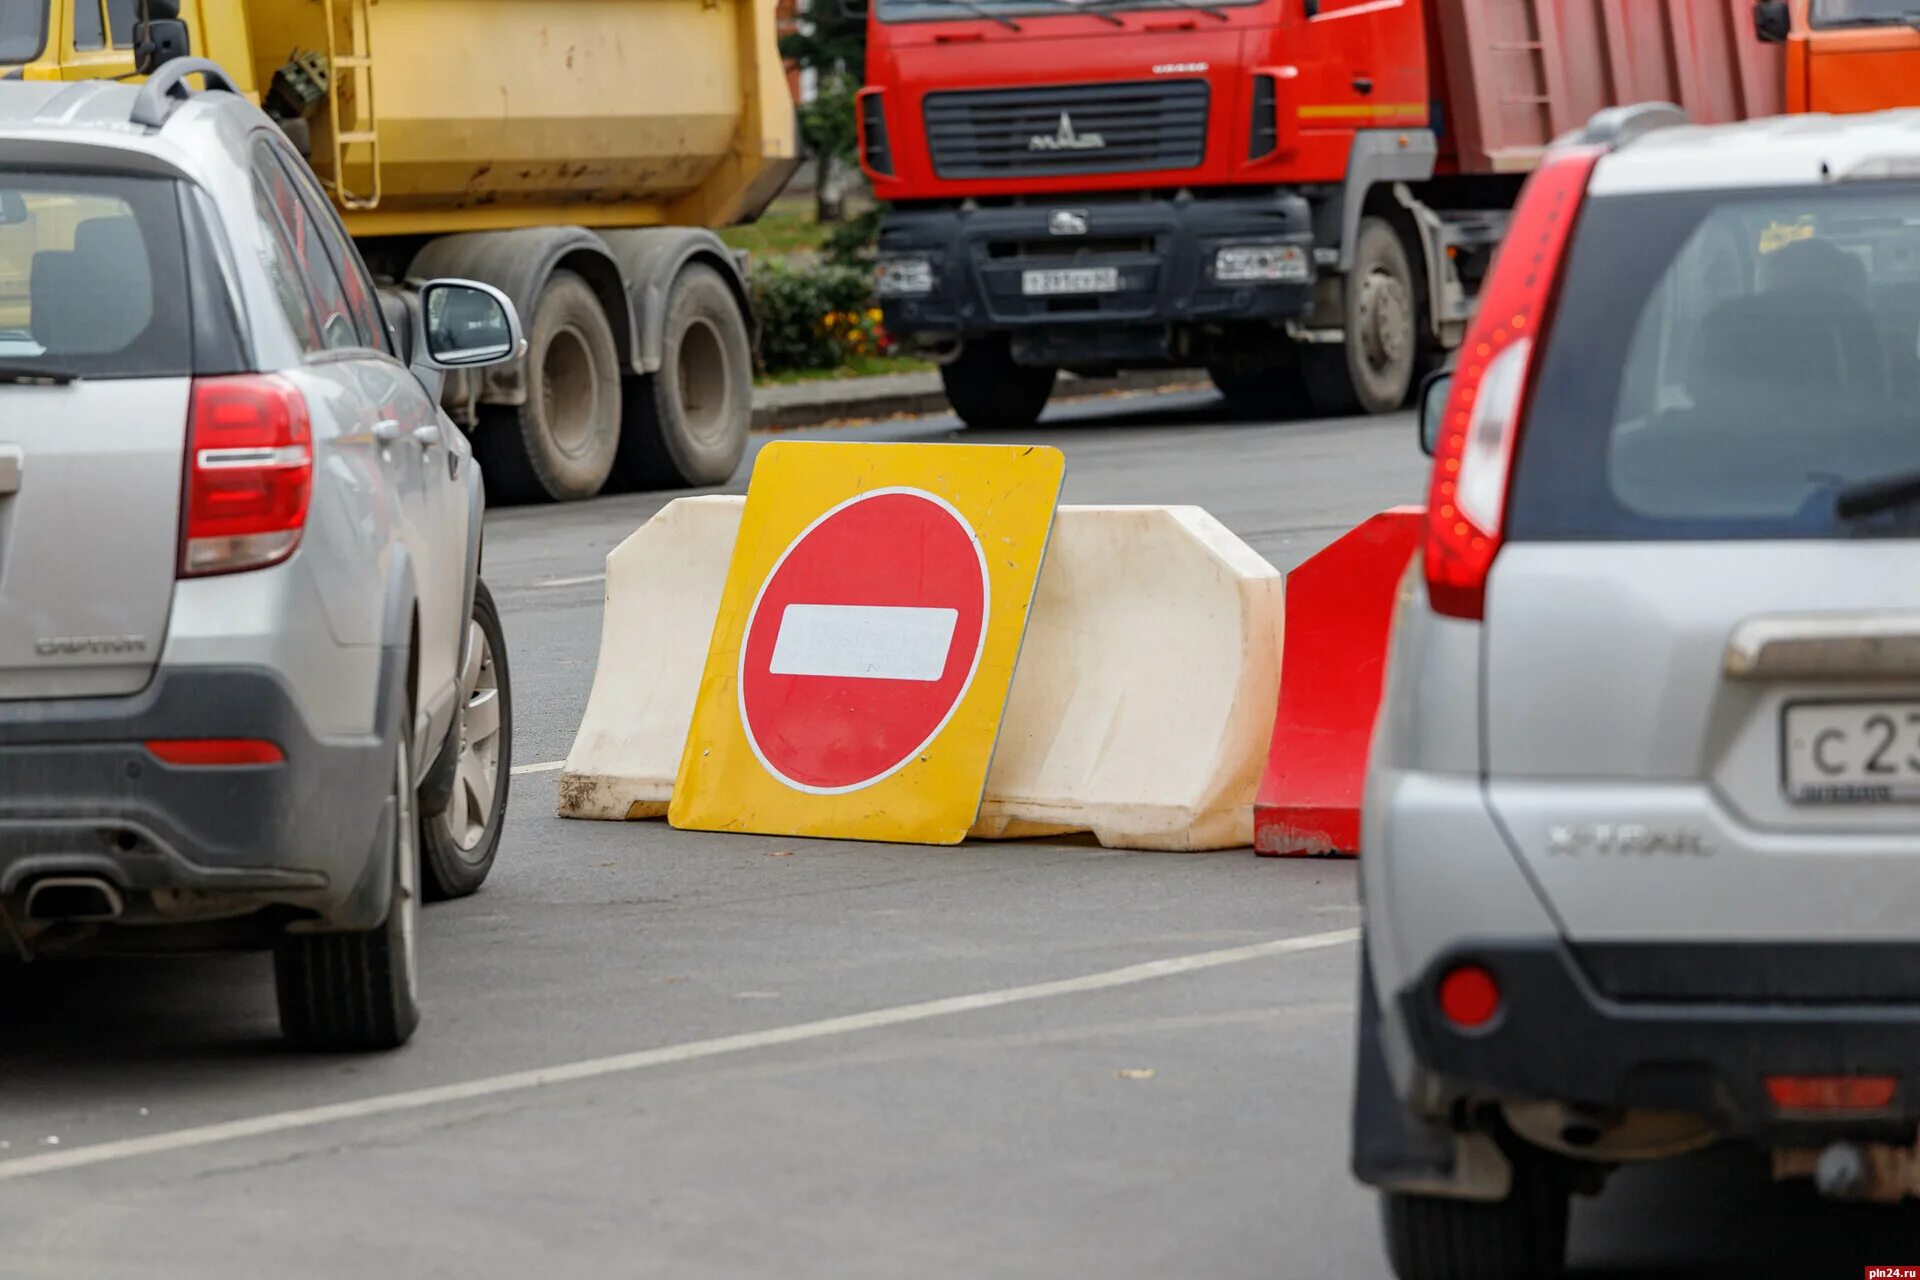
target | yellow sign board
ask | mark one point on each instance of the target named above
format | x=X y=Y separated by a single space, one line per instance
x=866 y=639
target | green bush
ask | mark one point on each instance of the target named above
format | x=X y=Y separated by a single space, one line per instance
x=813 y=317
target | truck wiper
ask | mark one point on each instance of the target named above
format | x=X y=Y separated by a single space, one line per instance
x=18 y=373
x=981 y=11
x=1193 y=5
x=1871 y=497
x=1091 y=10
x=1911 y=18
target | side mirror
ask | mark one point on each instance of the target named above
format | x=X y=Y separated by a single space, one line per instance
x=1772 y=21
x=466 y=325
x=1433 y=407
x=159 y=36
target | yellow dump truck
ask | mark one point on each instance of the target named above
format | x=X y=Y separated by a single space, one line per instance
x=575 y=153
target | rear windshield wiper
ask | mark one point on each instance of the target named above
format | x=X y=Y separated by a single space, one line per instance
x=17 y=373
x=1871 y=497
x=981 y=11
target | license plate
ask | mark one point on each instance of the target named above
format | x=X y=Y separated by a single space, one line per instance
x=1040 y=284
x=1852 y=752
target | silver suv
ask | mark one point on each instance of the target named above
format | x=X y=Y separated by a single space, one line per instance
x=1641 y=844
x=252 y=692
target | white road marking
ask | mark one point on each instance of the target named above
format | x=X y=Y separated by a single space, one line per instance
x=580 y=581
x=545 y=766
x=619 y=1064
x=863 y=642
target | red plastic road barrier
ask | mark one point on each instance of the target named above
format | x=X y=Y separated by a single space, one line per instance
x=1333 y=660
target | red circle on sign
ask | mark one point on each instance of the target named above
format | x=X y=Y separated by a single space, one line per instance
x=863 y=640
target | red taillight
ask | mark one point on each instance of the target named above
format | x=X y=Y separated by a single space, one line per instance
x=1466 y=505
x=1469 y=996
x=249 y=474
x=1832 y=1093
x=207 y=752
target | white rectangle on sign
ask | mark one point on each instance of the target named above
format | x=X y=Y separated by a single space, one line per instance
x=863 y=642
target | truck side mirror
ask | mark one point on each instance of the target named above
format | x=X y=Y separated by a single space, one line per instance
x=1772 y=21
x=1433 y=407
x=159 y=36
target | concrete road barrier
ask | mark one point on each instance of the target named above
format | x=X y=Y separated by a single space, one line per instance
x=1141 y=707
x=1339 y=609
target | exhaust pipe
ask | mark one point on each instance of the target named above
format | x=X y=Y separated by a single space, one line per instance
x=73 y=898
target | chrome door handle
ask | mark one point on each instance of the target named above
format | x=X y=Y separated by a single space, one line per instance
x=427 y=437
x=13 y=460
x=387 y=430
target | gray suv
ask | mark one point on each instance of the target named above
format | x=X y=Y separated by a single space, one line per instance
x=252 y=692
x=1641 y=840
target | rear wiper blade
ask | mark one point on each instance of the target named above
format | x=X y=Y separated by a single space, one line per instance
x=16 y=373
x=981 y=11
x=1871 y=497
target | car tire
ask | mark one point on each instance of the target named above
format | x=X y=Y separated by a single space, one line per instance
x=686 y=425
x=457 y=847
x=560 y=445
x=1373 y=370
x=987 y=389
x=359 y=992
x=1523 y=1237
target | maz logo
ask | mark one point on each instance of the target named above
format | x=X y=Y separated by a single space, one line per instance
x=1181 y=69
x=1066 y=138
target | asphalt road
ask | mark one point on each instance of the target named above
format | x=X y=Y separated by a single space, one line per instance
x=649 y=1053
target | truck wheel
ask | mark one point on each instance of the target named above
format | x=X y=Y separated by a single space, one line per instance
x=1371 y=371
x=987 y=389
x=1274 y=391
x=458 y=846
x=360 y=991
x=1523 y=1237
x=686 y=426
x=559 y=446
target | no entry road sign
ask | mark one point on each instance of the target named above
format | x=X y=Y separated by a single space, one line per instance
x=866 y=639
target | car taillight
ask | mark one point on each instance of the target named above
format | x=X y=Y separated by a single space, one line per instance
x=1473 y=457
x=249 y=474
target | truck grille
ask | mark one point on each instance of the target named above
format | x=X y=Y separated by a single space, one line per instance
x=1093 y=128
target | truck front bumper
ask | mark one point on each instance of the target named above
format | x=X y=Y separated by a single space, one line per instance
x=1164 y=256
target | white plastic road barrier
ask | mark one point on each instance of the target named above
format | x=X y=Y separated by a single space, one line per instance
x=663 y=593
x=1141 y=709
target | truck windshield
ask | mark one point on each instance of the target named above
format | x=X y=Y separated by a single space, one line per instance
x=934 y=10
x=1866 y=13
x=23 y=29
x=1727 y=365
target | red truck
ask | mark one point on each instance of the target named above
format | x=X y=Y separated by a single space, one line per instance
x=1302 y=196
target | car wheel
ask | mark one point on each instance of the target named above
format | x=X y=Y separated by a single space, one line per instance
x=360 y=991
x=457 y=847
x=686 y=426
x=987 y=389
x=1523 y=1237
x=559 y=446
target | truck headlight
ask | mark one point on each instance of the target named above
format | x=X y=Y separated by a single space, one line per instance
x=1261 y=264
x=903 y=278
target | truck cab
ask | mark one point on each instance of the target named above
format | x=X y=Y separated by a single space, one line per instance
x=94 y=39
x=1845 y=56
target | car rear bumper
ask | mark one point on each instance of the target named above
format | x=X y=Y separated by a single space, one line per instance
x=1674 y=1046
x=81 y=794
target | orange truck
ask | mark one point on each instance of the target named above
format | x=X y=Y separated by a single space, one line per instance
x=1845 y=55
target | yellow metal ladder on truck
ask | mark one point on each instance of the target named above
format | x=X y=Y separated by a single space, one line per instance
x=350 y=67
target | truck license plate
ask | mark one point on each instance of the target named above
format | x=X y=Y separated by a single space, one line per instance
x=1852 y=752
x=1039 y=284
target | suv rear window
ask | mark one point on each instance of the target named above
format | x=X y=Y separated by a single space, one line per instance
x=93 y=275
x=1723 y=364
